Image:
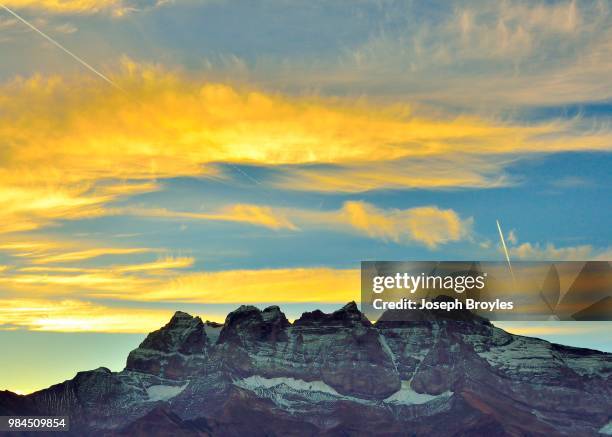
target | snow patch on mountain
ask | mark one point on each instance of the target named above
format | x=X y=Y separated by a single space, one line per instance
x=256 y=382
x=275 y=388
x=606 y=429
x=407 y=396
x=164 y=392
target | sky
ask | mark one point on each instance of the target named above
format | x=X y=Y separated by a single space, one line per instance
x=217 y=153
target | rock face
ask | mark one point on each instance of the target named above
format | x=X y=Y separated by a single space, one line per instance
x=174 y=351
x=336 y=374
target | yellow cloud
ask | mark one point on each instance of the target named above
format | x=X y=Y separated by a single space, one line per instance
x=439 y=172
x=26 y=248
x=80 y=316
x=43 y=252
x=54 y=269
x=266 y=285
x=551 y=328
x=68 y=141
x=89 y=254
x=159 y=265
x=172 y=124
x=167 y=263
x=116 y=7
x=81 y=283
x=428 y=225
x=240 y=213
x=32 y=203
x=142 y=282
x=159 y=280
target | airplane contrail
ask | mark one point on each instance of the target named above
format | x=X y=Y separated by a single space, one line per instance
x=503 y=241
x=61 y=47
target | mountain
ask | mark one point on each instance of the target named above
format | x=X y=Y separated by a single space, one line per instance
x=336 y=374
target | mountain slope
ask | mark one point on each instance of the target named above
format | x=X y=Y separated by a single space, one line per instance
x=336 y=374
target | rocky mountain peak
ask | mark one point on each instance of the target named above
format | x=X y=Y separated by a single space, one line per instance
x=350 y=307
x=249 y=323
x=348 y=315
x=180 y=315
x=183 y=333
x=167 y=351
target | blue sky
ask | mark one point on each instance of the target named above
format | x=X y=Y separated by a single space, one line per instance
x=258 y=151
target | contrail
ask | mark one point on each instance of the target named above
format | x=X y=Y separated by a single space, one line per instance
x=503 y=241
x=61 y=47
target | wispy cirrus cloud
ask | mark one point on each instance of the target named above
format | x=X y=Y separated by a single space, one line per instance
x=116 y=8
x=551 y=252
x=536 y=251
x=41 y=200
x=257 y=215
x=86 y=254
x=477 y=55
x=162 y=264
x=433 y=173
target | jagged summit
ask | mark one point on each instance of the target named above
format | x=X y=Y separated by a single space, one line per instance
x=181 y=315
x=348 y=315
x=183 y=333
x=249 y=323
x=163 y=351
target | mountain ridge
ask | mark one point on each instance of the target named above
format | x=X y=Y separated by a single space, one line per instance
x=336 y=374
